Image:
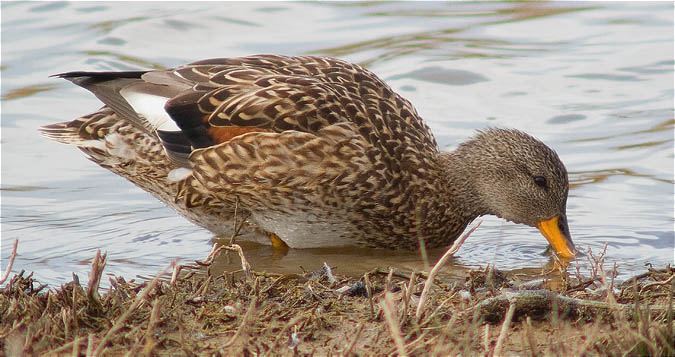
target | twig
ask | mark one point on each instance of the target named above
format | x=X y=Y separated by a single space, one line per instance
x=547 y=297
x=12 y=256
x=438 y=308
x=353 y=343
x=589 y=341
x=139 y=299
x=215 y=248
x=369 y=292
x=235 y=231
x=530 y=337
x=176 y=272
x=74 y=344
x=242 y=325
x=420 y=340
x=244 y=263
x=580 y=287
x=90 y=345
x=387 y=284
x=97 y=267
x=398 y=274
x=209 y=260
x=432 y=274
x=630 y=281
x=486 y=340
x=611 y=283
x=420 y=239
x=15 y=326
x=150 y=341
x=237 y=227
x=656 y=283
x=505 y=329
x=408 y=292
x=289 y=324
x=329 y=273
x=387 y=305
x=669 y=318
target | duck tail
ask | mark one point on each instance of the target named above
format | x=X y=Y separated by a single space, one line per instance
x=120 y=146
x=105 y=138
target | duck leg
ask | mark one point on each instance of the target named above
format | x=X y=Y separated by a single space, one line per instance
x=279 y=247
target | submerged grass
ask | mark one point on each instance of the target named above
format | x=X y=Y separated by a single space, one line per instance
x=254 y=313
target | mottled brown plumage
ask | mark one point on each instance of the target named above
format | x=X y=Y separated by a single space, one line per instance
x=319 y=151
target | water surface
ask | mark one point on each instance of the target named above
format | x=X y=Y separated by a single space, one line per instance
x=592 y=80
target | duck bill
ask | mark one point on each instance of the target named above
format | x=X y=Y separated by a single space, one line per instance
x=557 y=233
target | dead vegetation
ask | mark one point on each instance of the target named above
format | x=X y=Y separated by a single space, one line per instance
x=385 y=312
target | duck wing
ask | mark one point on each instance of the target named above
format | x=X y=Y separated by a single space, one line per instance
x=300 y=129
x=279 y=93
x=301 y=103
x=215 y=100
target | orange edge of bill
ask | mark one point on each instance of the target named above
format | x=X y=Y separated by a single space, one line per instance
x=549 y=229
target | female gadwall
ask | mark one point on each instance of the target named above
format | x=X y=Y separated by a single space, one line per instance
x=318 y=151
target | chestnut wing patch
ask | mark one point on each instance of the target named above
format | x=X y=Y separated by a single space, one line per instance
x=243 y=101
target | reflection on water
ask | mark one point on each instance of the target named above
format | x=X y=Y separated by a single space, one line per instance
x=588 y=177
x=453 y=38
x=594 y=82
x=345 y=261
x=666 y=125
x=126 y=60
x=352 y=262
x=26 y=91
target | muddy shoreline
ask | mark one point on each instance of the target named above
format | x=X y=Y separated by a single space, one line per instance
x=248 y=312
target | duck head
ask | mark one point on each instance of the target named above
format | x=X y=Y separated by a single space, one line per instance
x=520 y=179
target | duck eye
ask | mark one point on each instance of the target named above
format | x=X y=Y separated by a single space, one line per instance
x=540 y=181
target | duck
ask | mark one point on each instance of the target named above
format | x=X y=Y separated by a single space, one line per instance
x=312 y=151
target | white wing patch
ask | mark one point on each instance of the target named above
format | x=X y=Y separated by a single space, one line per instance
x=151 y=107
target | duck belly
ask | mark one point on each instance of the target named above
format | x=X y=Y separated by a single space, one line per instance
x=304 y=230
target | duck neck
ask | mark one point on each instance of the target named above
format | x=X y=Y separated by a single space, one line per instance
x=458 y=178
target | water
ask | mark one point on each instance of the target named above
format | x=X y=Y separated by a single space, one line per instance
x=593 y=80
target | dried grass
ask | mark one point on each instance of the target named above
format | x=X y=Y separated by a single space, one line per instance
x=308 y=314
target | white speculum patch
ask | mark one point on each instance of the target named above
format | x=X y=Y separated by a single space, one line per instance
x=151 y=107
